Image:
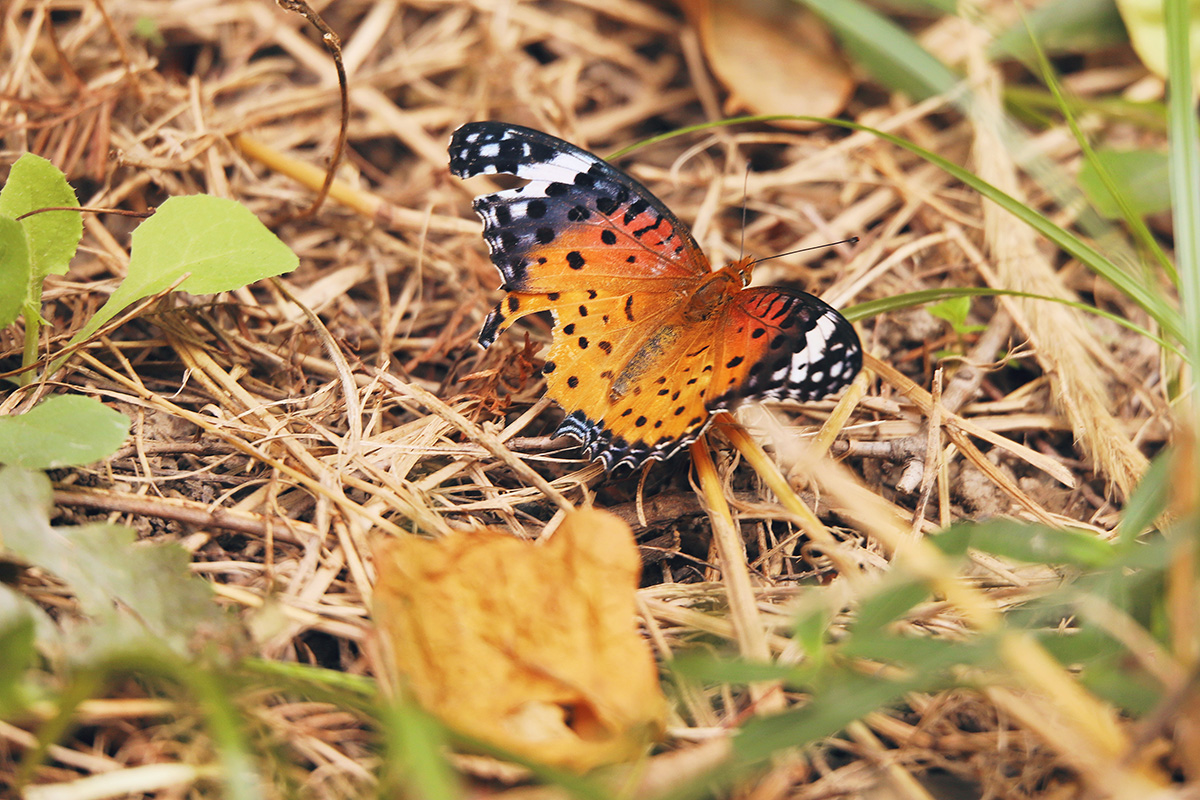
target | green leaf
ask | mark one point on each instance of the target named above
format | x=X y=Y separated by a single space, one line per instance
x=1140 y=175
x=704 y=668
x=1150 y=299
x=811 y=629
x=830 y=710
x=1085 y=645
x=898 y=302
x=62 y=431
x=1134 y=287
x=888 y=603
x=218 y=244
x=15 y=270
x=53 y=236
x=417 y=754
x=1149 y=500
x=147 y=28
x=1035 y=544
x=954 y=311
x=926 y=657
x=17 y=636
x=1125 y=688
x=138 y=599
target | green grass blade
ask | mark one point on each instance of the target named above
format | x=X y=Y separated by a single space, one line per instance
x=1144 y=295
x=227 y=727
x=1185 y=173
x=415 y=744
x=1149 y=115
x=1137 y=225
x=898 y=302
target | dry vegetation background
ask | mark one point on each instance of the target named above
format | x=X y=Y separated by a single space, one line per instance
x=138 y=101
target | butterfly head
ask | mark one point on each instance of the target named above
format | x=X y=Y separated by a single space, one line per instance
x=717 y=289
x=743 y=268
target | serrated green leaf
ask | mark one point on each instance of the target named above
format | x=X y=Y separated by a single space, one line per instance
x=1141 y=175
x=137 y=599
x=14 y=270
x=1035 y=544
x=52 y=236
x=217 y=243
x=62 y=431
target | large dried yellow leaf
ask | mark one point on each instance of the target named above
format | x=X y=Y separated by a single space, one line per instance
x=530 y=647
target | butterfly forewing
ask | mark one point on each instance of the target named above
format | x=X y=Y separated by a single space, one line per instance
x=577 y=219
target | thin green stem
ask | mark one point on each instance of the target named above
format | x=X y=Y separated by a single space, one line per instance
x=33 y=328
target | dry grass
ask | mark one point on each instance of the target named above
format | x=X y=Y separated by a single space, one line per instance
x=272 y=456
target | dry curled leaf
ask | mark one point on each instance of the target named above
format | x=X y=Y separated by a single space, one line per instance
x=532 y=647
x=774 y=56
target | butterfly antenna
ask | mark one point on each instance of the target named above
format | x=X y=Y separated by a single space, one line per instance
x=851 y=240
x=745 y=202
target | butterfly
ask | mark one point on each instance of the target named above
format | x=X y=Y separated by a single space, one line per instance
x=648 y=339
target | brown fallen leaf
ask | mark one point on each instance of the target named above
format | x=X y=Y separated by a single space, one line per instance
x=531 y=647
x=774 y=57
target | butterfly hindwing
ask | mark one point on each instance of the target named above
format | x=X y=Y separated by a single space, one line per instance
x=770 y=344
x=779 y=344
x=644 y=400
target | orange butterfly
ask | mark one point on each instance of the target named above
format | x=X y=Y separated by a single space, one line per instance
x=649 y=341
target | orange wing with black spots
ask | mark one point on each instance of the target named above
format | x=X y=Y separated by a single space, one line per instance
x=648 y=340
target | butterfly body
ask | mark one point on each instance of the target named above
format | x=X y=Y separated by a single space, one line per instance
x=648 y=339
